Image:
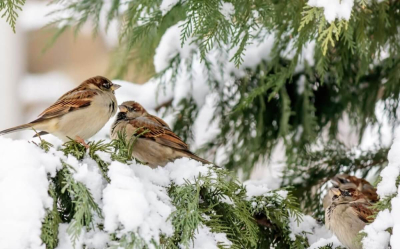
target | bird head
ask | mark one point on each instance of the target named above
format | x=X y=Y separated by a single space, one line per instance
x=132 y=109
x=102 y=83
x=340 y=196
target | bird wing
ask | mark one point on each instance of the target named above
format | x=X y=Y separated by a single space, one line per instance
x=156 y=119
x=71 y=101
x=152 y=129
x=363 y=211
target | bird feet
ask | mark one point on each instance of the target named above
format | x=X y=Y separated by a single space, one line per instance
x=82 y=141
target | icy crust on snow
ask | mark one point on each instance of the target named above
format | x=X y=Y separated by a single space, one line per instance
x=377 y=236
x=333 y=9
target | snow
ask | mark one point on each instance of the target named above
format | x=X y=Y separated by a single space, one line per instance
x=128 y=203
x=227 y=9
x=205 y=239
x=256 y=188
x=333 y=9
x=170 y=46
x=389 y=174
x=23 y=192
x=377 y=236
x=187 y=169
x=310 y=227
x=167 y=5
x=135 y=201
x=326 y=241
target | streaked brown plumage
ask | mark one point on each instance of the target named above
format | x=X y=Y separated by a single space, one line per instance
x=347 y=215
x=344 y=181
x=158 y=144
x=79 y=113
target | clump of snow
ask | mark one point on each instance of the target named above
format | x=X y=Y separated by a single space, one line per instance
x=256 y=52
x=23 y=192
x=205 y=239
x=131 y=205
x=334 y=241
x=188 y=169
x=256 y=188
x=166 y=5
x=313 y=230
x=170 y=46
x=333 y=9
x=377 y=236
x=389 y=174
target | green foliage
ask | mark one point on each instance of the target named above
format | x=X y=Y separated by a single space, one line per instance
x=51 y=222
x=345 y=79
x=84 y=205
x=9 y=9
x=187 y=110
x=213 y=201
x=276 y=216
x=330 y=246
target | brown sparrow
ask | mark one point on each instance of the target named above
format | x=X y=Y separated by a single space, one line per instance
x=347 y=215
x=156 y=143
x=79 y=114
x=345 y=181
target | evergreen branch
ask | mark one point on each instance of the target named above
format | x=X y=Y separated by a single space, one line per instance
x=51 y=222
x=10 y=10
x=84 y=205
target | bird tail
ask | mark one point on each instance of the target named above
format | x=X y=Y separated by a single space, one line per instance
x=16 y=128
x=197 y=158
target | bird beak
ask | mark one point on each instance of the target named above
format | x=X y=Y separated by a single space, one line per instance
x=336 y=191
x=122 y=108
x=115 y=87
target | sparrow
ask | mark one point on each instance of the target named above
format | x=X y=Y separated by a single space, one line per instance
x=344 y=181
x=156 y=144
x=78 y=114
x=347 y=215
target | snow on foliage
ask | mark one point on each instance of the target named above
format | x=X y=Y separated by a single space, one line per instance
x=377 y=234
x=133 y=203
x=333 y=9
x=23 y=192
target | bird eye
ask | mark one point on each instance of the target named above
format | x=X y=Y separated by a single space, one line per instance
x=136 y=109
x=335 y=197
x=106 y=84
x=347 y=193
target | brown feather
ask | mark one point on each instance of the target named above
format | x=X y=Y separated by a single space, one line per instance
x=363 y=211
x=158 y=133
x=69 y=102
x=158 y=120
